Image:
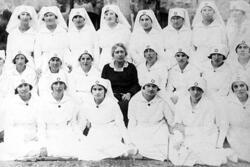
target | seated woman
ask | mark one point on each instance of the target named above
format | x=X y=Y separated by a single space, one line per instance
x=54 y=67
x=196 y=136
x=107 y=137
x=180 y=74
x=81 y=75
x=123 y=77
x=20 y=123
x=58 y=131
x=239 y=60
x=238 y=113
x=21 y=69
x=149 y=120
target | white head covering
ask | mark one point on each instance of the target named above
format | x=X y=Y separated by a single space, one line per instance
x=14 y=21
x=81 y=12
x=240 y=77
x=2 y=54
x=150 y=13
x=221 y=49
x=197 y=82
x=182 y=13
x=59 y=77
x=198 y=17
x=52 y=9
x=25 y=53
x=151 y=79
x=121 y=18
x=155 y=47
x=20 y=81
x=185 y=50
x=240 y=5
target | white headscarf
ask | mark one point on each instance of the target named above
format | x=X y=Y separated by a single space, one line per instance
x=150 y=13
x=182 y=13
x=52 y=9
x=14 y=21
x=121 y=18
x=217 y=16
x=81 y=12
x=2 y=54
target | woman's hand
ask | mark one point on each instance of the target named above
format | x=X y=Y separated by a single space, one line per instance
x=126 y=96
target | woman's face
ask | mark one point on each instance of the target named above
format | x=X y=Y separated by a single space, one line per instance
x=24 y=17
x=195 y=92
x=145 y=22
x=55 y=63
x=119 y=54
x=20 y=60
x=98 y=92
x=23 y=89
x=217 y=59
x=50 y=18
x=79 y=21
x=239 y=88
x=181 y=58
x=207 y=13
x=58 y=87
x=150 y=55
x=110 y=17
x=150 y=90
x=177 y=22
x=2 y=61
x=86 y=60
x=243 y=50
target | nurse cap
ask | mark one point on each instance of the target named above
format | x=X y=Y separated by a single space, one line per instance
x=18 y=81
x=59 y=77
x=185 y=50
x=153 y=46
x=219 y=49
x=26 y=54
x=87 y=51
x=151 y=79
x=242 y=41
x=240 y=5
x=100 y=81
x=176 y=12
x=197 y=82
x=50 y=55
x=2 y=54
x=241 y=77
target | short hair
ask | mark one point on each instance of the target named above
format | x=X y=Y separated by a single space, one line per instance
x=233 y=88
x=14 y=60
x=119 y=45
x=65 y=86
x=16 y=92
x=86 y=54
x=105 y=90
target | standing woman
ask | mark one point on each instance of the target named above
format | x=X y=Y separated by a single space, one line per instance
x=107 y=130
x=51 y=37
x=81 y=33
x=238 y=113
x=238 y=23
x=114 y=29
x=146 y=29
x=20 y=123
x=123 y=77
x=208 y=30
x=22 y=29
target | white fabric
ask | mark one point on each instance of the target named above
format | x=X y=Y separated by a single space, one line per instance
x=14 y=21
x=106 y=131
x=148 y=126
x=2 y=54
x=202 y=38
x=20 y=128
x=182 y=13
x=200 y=137
x=137 y=45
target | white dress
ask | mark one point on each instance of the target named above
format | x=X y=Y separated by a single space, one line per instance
x=106 y=132
x=58 y=129
x=201 y=133
x=239 y=126
x=107 y=38
x=20 y=128
x=148 y=126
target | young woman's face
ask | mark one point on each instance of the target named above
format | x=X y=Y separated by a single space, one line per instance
x=50 y=18
x=119 y=54
x=150 y=90
x=181 y=58
x=207 y=13
x=195 y=92
x=239 y=88
x=177 y=22
x=217 y=59
x=110 y=17
x=23 y=89
x=58 y=87
x=98 y=92
x=146 y=22
x=150 y=55
x=20 y=59
x=55 y=63
x=243 y=50
x=24 y=17
x=86 y=60
x=79 y=21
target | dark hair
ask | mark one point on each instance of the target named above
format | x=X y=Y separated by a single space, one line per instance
x=118 y=45
x=233 y=84
x=148 y=17
x=239 y=46
x=49 y=12
x=105 y=90
x=158 y=89
x=85 y=54
x=14 y=60
x=65 y=86
x=182 y=53
x=197 y=87
x=16 y=92
x=210 y=56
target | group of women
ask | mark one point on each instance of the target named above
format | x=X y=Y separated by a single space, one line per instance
x=166 y=94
